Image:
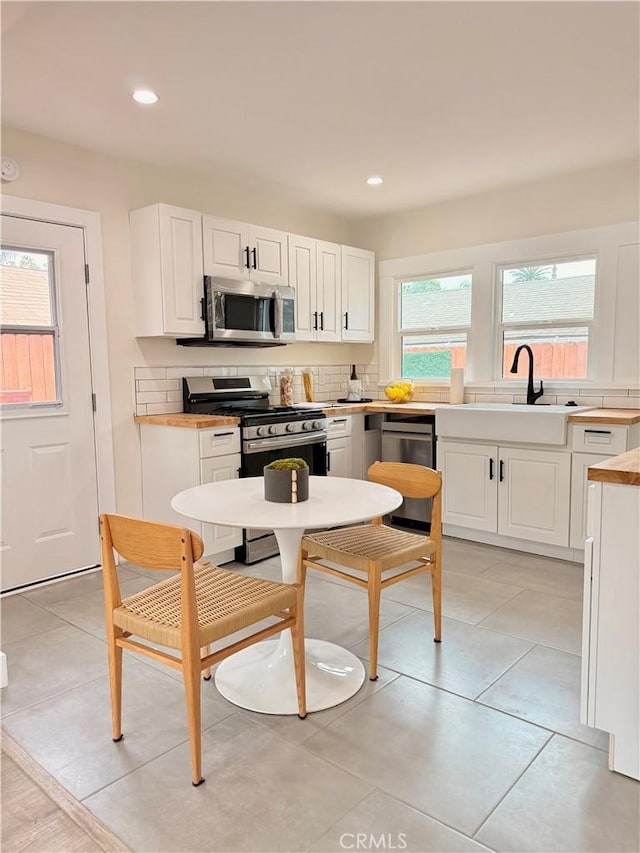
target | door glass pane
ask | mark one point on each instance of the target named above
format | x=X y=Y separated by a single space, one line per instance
x=433 y=356
x=557 y=353
x=25 y=292
x=436 y=302
x=27 y=334
x=549 y=292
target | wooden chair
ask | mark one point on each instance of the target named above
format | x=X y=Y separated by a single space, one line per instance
x=374 y=548
x=188 y=612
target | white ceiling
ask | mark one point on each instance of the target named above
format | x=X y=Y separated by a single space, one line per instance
x=442 y=99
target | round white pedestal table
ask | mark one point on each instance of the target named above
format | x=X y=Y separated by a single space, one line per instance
x=261 y=677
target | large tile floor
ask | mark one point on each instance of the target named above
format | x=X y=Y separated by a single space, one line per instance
x=473 y=744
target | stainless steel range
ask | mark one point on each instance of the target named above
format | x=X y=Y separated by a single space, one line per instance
x=267 y=433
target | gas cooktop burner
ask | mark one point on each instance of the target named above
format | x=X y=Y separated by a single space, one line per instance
x=268 y=414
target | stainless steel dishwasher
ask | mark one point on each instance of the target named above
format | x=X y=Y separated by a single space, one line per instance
x=407 y=439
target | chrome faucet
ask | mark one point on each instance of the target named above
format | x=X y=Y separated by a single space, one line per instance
x=532 y=395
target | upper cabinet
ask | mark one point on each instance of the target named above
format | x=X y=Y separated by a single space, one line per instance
x=173 y=248
x=239 y=250
x=167 y=271
x=357 y=294
x=314 y=271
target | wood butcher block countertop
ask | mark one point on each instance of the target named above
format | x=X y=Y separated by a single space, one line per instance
x=622 y=417
x=623 y=469
x=182 y=419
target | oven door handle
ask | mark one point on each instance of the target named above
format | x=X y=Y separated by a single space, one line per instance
x=282 y=441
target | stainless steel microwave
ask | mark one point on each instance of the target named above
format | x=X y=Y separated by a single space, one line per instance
x=248 y=313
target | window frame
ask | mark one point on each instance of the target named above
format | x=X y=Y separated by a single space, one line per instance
x=501 y=327
x=611 y=364
x=399 y=333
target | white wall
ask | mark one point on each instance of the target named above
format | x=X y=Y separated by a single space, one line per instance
x=605 y=195
x=54 y=172
x=585 y=199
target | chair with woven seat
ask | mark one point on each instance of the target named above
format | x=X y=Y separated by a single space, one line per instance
x=187 y=612
x=374 y=549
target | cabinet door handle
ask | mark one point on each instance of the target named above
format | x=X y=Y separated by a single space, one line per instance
x=315 y=321
x=501 y=470
x=346 y=319
x=599 y=431
x=254 y=255
x=222 y=434
x=202 y=315
x=246 y=253
x=339 y=421
x=322 y=321
x=328 y=461
x=491 y=469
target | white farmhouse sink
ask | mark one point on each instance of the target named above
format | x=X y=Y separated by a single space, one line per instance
x=506 y=422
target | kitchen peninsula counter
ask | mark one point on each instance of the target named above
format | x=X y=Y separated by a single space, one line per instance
x=623 y=469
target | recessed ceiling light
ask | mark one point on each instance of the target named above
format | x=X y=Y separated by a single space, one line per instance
x=145 y=96
x=374 y=180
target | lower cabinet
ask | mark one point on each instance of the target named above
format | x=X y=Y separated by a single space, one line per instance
x=339 y=444
x=217 y=538
x=339 y=457
x=593 y=443
x=579 y=467
x=177 y=458
x=517 y=492
x=610 y=698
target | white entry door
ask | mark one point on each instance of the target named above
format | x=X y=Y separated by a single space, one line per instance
x=49 y=522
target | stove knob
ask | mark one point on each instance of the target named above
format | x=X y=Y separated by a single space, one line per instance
x=307 y=425
x=262 y=430
x=291 y=427
x=317 y=424
x=273 y=430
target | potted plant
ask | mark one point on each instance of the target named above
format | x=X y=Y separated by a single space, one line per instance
x=286 y=481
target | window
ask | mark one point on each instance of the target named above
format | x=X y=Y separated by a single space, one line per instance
x=28 y=361
x=548 y=306
x=434 y=317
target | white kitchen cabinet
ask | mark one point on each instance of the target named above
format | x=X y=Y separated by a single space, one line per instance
x=580 y=464
x=358 y=436
x=512 y=491
x=167 y=271
x=593 y=443
x=470 y=495
x=339 y=453
x=328 y=290
x=239 y=250
x=177 y=458
x=533 y=494
x=315 y=273
x=610 y=698
x=358 y=299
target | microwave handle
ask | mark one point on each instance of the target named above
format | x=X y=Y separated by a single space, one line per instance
x=277 y=319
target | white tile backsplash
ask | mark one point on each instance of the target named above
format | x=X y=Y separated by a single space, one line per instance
x=163 y=408
x=179 y=372
x=151 y=372
x=158 y=384
x=620 y=402
x=151 y=397
x=158 y=390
